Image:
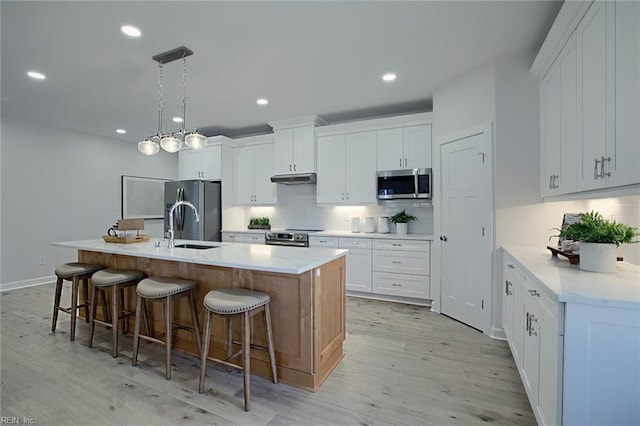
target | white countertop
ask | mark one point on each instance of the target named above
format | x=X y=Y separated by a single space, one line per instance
x=570 y=284
x=288 y=260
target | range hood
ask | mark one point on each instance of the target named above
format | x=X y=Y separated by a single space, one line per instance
x=295 y=179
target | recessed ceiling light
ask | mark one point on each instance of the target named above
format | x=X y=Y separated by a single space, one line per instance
x=130 y=31
x=177 y=119
x=262 y=101
x=389 y=76
x=121 y=131
x=36 y=75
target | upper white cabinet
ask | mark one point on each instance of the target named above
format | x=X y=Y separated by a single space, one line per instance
x=404 y=148
x=204 y=164
x=295 y=145
x=625 y=164
x=606 y=36
x=596 y=132
x=347 y=169
x=253 y=168
x=558 y=130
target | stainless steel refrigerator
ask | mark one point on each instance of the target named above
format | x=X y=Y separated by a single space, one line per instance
x=206 y=197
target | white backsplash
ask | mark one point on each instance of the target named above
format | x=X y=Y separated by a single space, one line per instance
x=298 y=209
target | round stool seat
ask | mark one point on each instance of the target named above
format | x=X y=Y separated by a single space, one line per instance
x=73 y=269
x=109 y=277
x=158 y=287
x=229 y=301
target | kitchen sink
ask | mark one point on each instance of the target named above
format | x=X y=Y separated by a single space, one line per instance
x=195 y=246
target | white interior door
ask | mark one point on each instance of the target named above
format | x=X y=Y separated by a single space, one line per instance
x=466 y=229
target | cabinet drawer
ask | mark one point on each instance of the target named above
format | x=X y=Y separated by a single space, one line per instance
x=324 y=241
x=401 y=285
x=404 y=262
x=361 y=243
x=413 y=245
x=547 y=304
x=232 y=237
x=254 y=238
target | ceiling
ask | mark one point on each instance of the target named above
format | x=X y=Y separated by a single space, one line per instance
x=324 y=58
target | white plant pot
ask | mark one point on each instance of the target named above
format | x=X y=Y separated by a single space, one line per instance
x=401 y=228
x=597 y=257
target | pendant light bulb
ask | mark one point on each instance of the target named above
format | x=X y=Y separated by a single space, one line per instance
x=148 y=147
x=171 y=144
x=195 y=140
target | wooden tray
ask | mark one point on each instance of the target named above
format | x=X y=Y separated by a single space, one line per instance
x=126 y=240
x=574 y=259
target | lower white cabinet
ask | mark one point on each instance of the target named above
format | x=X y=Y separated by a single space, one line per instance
x=358 y=259
x=578 y=356
x=532 y=322
x=243 y=237
x=401 y=268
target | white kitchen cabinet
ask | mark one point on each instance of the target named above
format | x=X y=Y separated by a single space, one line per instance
x=253 y=168
x=513 y=308
x=243 y=237
x=294 y=150
x=347 y=169
x=404 y=148
x=401 y=268
x=203 y=164
x=625 y=165
x=558 y=124
x=596 y=100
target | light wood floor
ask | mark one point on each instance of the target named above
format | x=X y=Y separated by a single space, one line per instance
x=403 y=366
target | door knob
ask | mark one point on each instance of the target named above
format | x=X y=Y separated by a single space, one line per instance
x=443 y=238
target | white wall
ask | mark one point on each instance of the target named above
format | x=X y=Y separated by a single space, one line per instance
x=59 y=185
x=298 y=209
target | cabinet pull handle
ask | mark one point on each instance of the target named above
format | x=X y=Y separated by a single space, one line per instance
x=510 y=266
x=534 y=293
x=608 y=160
x=343 y=195
x=396 y=285
x=595 y=170
x=400 y=161
x=527 y=323
x=506 y=287
x=550 y=180
x=396 y=262
x=290 y=168
x=347 y=195
x=396 y=245
x=532 y=319
x=322 y=241
x=294 y=168
x=405 y=162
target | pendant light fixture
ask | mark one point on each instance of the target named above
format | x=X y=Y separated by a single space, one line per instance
x=172 y=141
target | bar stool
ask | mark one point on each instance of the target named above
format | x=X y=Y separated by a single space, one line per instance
x=237 y=303
x=167 y=290
x=74 y=272
x=116 y=280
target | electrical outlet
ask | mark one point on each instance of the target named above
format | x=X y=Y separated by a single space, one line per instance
x=42 y=260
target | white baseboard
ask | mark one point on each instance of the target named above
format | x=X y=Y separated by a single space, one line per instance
x=497 y=333
x=27 y=283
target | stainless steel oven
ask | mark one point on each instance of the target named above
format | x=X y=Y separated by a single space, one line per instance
x=289 y=237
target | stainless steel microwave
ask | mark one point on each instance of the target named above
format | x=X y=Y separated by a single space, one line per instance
x=404 y=184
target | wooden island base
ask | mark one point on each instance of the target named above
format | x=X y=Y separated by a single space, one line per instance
x=307 y=313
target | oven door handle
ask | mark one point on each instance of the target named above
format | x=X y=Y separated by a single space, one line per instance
x=285 y=243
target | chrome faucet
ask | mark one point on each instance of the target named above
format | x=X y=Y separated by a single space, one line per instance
x=173 y=207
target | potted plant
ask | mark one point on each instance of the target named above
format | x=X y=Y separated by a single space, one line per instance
x=259 y=223
x=402 y=220
x=599 y=238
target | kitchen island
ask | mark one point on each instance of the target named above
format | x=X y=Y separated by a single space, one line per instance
x=307 y=290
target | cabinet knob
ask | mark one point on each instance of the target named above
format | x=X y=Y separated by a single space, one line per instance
x=443 y=238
